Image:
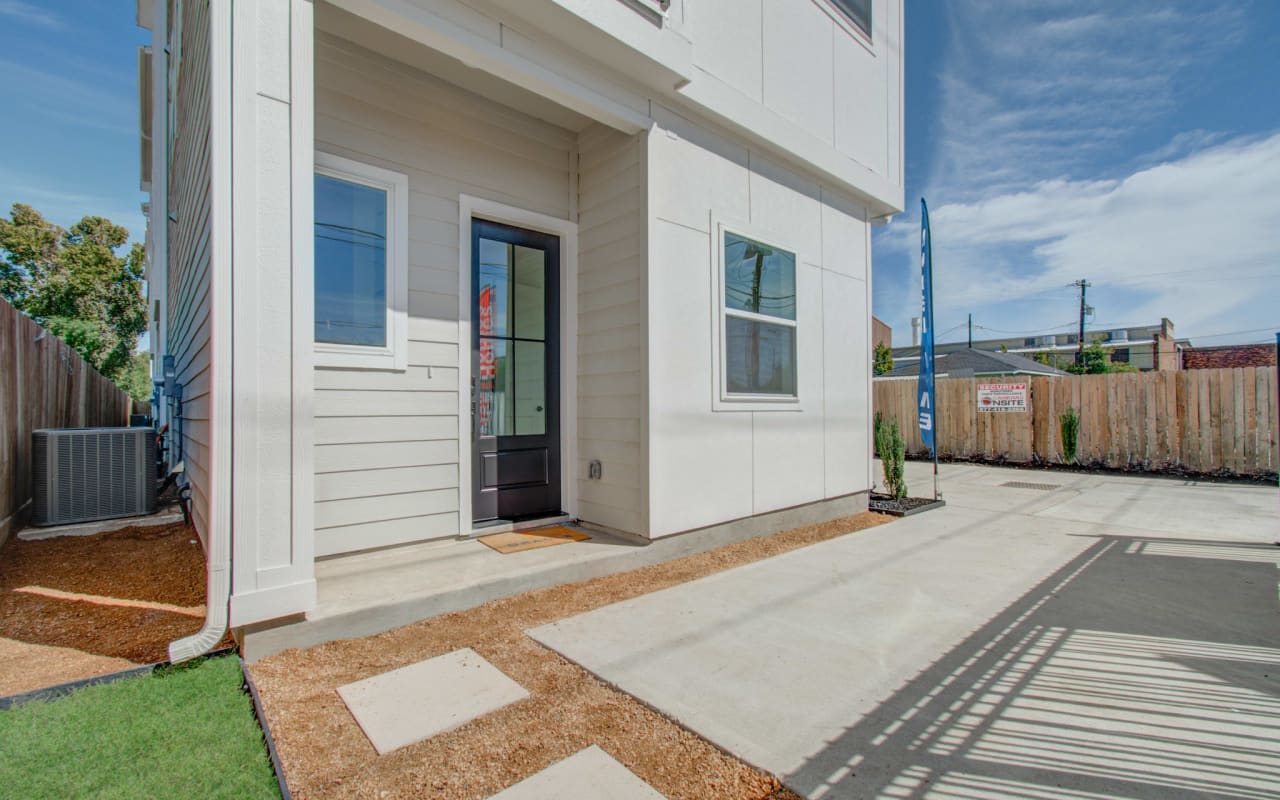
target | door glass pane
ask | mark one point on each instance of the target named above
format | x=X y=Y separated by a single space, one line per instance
x=350 y=263
x=493 y=291
x=495 y=408
x=531 y=388
x=760 y=357
x=759 y=278
x=530 y=292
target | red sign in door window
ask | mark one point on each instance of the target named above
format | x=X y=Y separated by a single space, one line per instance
x=488 y=365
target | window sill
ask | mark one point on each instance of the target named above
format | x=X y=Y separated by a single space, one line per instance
x=757 y=403
x=337 y=356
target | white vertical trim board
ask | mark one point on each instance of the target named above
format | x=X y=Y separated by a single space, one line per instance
x=302 y=151
x=273 y=566
x=470 y=207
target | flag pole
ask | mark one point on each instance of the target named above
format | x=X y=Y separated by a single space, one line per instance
x=926 y=407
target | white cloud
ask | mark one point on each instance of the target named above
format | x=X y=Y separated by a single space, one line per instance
x=1033 y=92
x=1196 y=240
x=65 y=206
x=32 y=15
x=1040 y=150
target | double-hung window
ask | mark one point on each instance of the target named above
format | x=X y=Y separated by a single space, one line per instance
x=758 y=321
x=361 y=265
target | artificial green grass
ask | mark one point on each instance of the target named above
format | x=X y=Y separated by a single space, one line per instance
x=184 y=732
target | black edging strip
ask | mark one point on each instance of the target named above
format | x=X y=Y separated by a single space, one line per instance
x=897 y=512
x=64 y=689
x=266 y=731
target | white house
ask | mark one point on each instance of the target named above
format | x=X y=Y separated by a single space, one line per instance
x=418 y=267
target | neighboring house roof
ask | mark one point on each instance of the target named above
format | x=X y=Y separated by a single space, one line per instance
x=1231 y=355
x=978 y=362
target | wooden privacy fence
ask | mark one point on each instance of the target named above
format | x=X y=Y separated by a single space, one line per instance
x=43 y=384
x=1204 y=420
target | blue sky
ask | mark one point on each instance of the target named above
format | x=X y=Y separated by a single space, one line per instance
x=68 y=85
x=1134 y=144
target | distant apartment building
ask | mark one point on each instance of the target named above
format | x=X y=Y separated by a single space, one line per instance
x=1146 y=347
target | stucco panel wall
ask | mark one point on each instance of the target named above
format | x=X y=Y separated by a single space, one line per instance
x=387 y=448
x=800 y=61
x=708 y=466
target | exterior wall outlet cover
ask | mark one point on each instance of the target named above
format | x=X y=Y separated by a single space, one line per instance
x=595 y=470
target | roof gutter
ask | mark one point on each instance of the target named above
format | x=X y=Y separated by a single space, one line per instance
x=218 y=533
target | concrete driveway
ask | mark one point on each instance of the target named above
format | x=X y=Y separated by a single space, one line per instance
x=1073 y=636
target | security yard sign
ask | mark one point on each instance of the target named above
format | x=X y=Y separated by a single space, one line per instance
x=1002 y=397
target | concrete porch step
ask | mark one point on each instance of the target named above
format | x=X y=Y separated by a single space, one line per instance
x=367 y=593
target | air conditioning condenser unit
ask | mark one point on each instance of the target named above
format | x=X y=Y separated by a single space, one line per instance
x=87 y=474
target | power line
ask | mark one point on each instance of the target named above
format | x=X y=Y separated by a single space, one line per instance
x=1024 y=333
x=1234 y=333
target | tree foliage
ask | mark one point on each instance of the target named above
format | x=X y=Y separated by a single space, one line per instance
x=1097 y=361
x=1069 y=422
x=882 y=359
x=136 y=378
x=72 y=282
x=892 y=449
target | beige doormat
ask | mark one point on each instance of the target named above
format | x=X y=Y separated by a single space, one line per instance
x=519 y=541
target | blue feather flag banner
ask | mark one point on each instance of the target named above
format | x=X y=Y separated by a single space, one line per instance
x=925 y=397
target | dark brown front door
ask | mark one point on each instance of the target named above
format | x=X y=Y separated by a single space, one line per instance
x=515 y=391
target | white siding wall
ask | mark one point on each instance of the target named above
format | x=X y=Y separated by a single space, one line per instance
x=611 y=326
x=387 y=449
x=189 y=256
x=708 y=466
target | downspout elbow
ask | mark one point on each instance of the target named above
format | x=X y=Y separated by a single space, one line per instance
x=215 y=621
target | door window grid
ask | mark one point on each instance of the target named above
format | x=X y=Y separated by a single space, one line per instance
x=512 y=387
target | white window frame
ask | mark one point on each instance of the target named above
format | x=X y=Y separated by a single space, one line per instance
x=850 y=27
x=394 y=355
x=722 y=398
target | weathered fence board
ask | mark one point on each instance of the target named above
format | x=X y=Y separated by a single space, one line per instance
x=43 y=384
x=1207 y=420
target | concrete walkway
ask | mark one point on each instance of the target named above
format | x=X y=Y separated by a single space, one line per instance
x=1090 y=637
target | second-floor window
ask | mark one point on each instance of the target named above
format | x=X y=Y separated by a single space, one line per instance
x=858 y=12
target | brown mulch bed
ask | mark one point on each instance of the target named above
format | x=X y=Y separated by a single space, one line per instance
x=163 y=564
x=325 y=754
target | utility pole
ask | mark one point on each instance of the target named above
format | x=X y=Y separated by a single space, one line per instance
x=1084 y=309
x=971 y=331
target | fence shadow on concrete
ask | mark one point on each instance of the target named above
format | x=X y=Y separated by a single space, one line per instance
x=1144 y=668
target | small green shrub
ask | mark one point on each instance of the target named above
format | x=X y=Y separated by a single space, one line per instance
x=1070 y=423
x=893 y=455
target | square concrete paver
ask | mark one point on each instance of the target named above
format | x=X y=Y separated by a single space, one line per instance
x=416 y=702
x=589 y=773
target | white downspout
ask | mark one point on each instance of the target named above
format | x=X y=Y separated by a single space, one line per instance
x=218 y=535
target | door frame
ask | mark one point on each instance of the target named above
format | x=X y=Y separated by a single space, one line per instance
x=468 y=208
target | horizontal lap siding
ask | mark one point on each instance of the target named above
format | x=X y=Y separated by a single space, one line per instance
x=387 y=449
x=188 y=329
x=612 y=297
